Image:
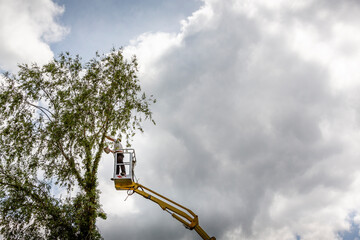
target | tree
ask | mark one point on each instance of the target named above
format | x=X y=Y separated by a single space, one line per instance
x=53 y=122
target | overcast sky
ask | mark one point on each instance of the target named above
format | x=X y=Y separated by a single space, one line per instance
x=257 y=114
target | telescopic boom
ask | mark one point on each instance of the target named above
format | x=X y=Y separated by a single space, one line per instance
x=179 y=212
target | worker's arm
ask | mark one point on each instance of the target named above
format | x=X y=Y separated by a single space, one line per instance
x=110 y=138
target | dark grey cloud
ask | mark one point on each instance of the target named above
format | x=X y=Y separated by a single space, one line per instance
x=251 y=136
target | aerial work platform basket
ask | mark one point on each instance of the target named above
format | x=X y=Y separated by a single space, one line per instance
x=124 y=172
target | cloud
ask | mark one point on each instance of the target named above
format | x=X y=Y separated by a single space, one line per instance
x=26 y=29
x=257 y=122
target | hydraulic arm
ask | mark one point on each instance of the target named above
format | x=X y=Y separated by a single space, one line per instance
x=180 y=213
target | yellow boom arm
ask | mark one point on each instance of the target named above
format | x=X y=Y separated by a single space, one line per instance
x=180 y=213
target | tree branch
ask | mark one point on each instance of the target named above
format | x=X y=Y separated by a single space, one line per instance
x=72 y=165
x=49 y=97
x=101 y=145
x=40 y=202
x=42 y=110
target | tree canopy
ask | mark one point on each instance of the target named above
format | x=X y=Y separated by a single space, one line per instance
x=53 y=122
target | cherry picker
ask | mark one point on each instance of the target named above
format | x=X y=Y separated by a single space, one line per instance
x=125 y=181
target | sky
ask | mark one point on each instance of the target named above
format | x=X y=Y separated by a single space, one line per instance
x=257 y=109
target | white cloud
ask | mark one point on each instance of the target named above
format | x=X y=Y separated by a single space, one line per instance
x=162 y=42
x=257 y=130
x=26 y=29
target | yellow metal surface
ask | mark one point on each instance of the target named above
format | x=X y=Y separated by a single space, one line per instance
x=122 y=183
x=180 y=213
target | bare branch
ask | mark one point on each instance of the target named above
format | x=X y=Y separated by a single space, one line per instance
x=42 y=110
